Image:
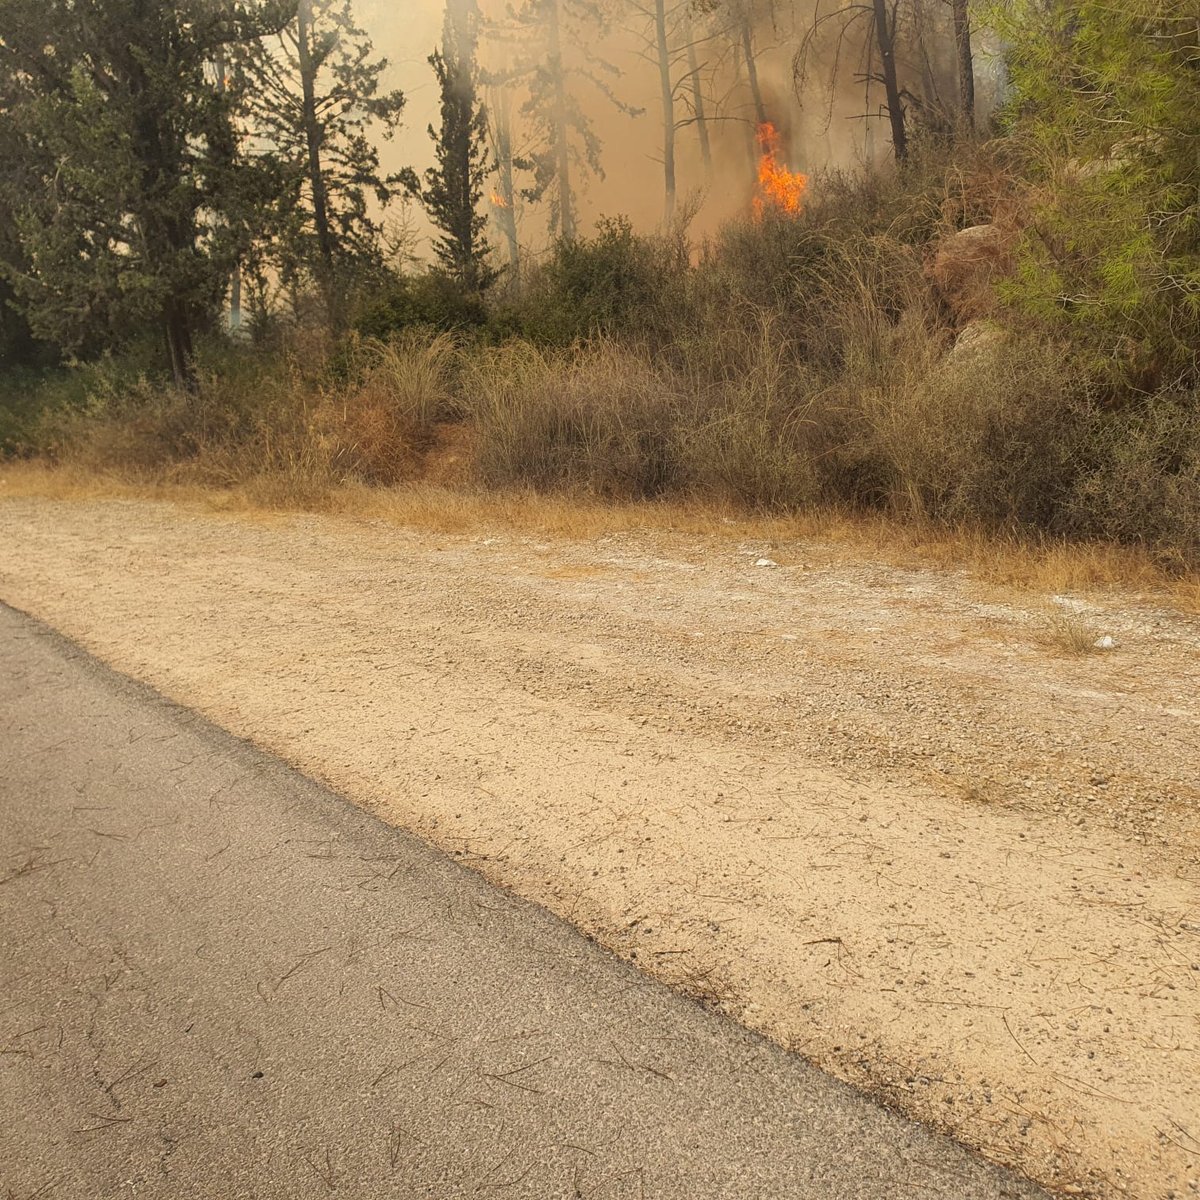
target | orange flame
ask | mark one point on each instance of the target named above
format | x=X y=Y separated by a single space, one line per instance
x=498 y=200
x=779 y=190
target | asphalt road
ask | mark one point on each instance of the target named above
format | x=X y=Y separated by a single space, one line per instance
x=218 y=979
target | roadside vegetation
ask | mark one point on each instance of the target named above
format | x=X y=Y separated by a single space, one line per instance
x=996 y=335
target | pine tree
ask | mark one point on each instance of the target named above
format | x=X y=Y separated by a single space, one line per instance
x=508 y=162
x=452 y=190
x=730 y=26
x=877 y=26
x=668 y=42
x=315 y=105
x=558 y=39
x=1106 y=103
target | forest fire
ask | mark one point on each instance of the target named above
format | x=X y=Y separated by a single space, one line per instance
x=498 y=200
x=779 y=190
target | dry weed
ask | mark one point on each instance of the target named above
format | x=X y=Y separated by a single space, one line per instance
x=377 y=428
x=601 y=419
x=827 y=534
x=1069 y=633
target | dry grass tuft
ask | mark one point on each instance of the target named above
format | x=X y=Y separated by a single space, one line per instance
x=1070 y=633
x=378 y=428
x=600 y=419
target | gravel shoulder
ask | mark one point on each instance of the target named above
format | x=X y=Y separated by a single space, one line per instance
x=875 y=814
x=219 y=981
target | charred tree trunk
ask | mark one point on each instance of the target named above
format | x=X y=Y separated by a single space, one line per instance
x=966 y=65
x=746 y=39
x=313 y=137
x=885 y=40
x=668 y=104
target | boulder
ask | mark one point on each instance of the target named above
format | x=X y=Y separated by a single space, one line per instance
x=966 y=265
x=975 y=343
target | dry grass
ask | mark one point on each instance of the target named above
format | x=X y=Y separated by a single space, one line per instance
x=599 y=419
x=378 y=429
x=1044 y=567
x=1070 y=633
x=800 y=371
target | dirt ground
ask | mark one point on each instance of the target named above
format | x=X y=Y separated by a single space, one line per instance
x=881 y=815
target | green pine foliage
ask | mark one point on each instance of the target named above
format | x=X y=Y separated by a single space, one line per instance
x=1107 y=111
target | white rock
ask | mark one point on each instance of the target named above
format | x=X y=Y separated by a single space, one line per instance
x=766 y=562
x=1105 y=643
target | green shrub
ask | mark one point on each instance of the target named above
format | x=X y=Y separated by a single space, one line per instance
x=614 y=283
x=432 y=301
x=28 y=399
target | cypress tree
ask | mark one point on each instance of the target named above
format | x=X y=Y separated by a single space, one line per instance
x=452 y=190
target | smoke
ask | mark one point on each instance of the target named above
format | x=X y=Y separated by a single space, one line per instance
x=837 y=120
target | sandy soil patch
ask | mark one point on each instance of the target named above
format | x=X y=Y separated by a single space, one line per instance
x=878 y=814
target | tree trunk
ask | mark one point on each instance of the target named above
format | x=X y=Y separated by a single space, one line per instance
x=235 y=275
x=458 y=140
x=507 y=191
x=966 y=65
x=885 y=39
x=760 y=108
x=698 y=111
x=868 y=120
x=562 y=152
x=178 y=335
x=168 y=233
x=235 y=301
x=929 y=90
x=668 y=105
x=313 y=137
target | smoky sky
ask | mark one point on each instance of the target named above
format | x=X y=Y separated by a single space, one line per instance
x=833 y=122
